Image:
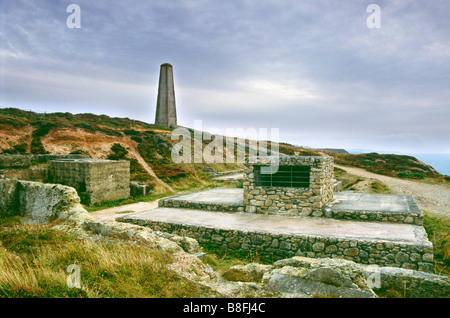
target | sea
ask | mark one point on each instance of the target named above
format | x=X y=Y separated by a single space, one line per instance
x=439 y=161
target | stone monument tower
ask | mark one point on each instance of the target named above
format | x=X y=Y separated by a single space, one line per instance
x=166 y=113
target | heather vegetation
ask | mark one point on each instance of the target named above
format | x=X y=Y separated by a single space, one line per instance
x=388 y=164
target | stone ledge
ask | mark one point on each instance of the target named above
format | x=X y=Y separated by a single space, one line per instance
x=416 y=254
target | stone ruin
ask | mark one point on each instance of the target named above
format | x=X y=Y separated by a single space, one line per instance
x=95 y=180
x=300 y=185
x=294 y=212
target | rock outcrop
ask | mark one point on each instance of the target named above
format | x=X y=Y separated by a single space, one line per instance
x=325 y=277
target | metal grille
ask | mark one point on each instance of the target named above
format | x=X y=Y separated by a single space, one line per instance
x=286 y=176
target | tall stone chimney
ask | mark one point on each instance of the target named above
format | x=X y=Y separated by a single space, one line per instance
x=166 y=113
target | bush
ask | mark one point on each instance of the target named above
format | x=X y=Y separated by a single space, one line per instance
x=411 y=175
x=118 y=152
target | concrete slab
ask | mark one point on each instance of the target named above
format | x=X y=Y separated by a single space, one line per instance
x=310 y=226
x=218 y=199
x=239 y=176
x=386 y=203
x=216 y=195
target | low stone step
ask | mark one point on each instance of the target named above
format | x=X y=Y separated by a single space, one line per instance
x=385 y=244
x=374 y=208
x=218 y=199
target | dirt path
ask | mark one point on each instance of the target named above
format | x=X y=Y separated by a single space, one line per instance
x=433 y=198
x=144 y=164
x=112 y=213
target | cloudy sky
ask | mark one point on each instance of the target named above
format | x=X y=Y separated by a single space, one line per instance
x=311 y=68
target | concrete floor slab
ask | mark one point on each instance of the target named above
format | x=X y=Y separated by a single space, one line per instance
x=310 y=226
x=386 y=203
x=216 y=195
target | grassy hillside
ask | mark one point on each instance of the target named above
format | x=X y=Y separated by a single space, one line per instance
x=401 y=166
x=102 y=137
x=148 y=147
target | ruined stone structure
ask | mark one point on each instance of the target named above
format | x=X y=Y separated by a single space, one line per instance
x=95 y=180
x=166 y=114
x=416 y=255
x=301 y=186
x=294 y=211
x=31 y=167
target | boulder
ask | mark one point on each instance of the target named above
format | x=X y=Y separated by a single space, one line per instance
x=302 y=285
x=415 y=284
x=246 y=273
x=317 y=283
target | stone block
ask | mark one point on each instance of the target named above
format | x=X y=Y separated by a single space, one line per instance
x=95 y=180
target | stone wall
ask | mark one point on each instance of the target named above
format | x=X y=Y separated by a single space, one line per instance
x=417 y=256
x=30 y=167
x=288 y=200
x=208 y=206
x=95 y=180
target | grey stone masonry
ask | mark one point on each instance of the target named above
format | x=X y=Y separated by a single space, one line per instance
x=166 y=114
x=410 y=255
x=218 y=199
x=95 y=180
x=285 y=200
x=393 y=208
x=32 y=167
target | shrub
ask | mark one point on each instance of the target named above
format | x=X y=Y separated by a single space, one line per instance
x=411 y=175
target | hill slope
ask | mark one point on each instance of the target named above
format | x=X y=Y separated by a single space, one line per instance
x=149 y=146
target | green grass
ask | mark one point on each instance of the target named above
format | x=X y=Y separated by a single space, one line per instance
x=34 y=260
x=348 y=179
x=221 y=260
x=438 y=231
x=379 y=187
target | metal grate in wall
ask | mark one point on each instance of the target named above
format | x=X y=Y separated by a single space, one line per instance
x=286 y=176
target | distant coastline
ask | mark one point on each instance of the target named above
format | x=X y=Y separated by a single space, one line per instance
x=439 y=161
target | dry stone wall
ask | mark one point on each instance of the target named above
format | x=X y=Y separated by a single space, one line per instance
x=307 y=201
x=417 y=256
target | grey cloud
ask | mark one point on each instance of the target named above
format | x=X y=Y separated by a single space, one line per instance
x=312 y=68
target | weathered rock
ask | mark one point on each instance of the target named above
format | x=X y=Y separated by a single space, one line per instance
x=325 y=283
x=330 y=276
x=188 y=244
x=133 y=232
x=354 y=280
x=41 y=202
x=246 y=273
x=8 y=197
x=415 y=284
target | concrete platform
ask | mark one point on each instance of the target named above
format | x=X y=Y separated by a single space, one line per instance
x=217 y=199
x=277 y=237
x=346 y=205
x=366 y=228
x=375 y=207
x=310 y=226
x=386 y=203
